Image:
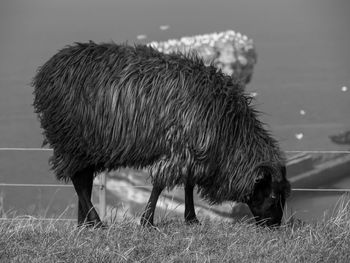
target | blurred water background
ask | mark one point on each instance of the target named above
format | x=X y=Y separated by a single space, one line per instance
x=303 y=62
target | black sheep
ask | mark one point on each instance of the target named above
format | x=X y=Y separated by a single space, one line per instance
x=107 y=106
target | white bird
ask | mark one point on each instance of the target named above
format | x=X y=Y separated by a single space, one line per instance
x=299 y=136
x=164 y=27
x=140 y=37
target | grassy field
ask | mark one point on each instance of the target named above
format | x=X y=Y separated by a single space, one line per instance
x=32 y=240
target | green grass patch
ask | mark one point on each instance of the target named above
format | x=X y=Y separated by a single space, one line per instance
x=33 y=240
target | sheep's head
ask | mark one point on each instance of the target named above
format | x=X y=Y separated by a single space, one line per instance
x=269 y=196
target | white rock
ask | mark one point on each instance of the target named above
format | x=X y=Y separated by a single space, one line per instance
x=166 y=45
x=344 y=88
x=242 y=60
x=302 y=112
x=153 y=44
x=172 y=42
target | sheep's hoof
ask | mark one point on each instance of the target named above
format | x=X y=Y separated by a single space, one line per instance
x=101 y=225
x=193 y=221
x=146 y=223
x=146 y=220
x=93 y=225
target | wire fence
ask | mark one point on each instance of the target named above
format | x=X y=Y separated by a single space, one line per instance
x=345 y=190
x=101 y=185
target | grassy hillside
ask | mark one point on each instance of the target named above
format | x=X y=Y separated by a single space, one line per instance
x=32 y=240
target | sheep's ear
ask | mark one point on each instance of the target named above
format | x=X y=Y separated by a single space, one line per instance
x=263 y=182
x=264 y=173
x=259 y=178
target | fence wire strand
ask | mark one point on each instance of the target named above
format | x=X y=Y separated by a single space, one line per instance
x=149 y=186
x=25 y=149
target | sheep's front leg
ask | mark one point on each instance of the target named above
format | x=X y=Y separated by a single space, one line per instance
x=148 y=215
x=190 y=213
x=87 y=215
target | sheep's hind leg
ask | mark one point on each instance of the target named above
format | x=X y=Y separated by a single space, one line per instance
x=190 y=213
x=148 y=215
x=87 y=215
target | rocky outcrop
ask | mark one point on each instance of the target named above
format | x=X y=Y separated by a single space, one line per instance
x=232 y=52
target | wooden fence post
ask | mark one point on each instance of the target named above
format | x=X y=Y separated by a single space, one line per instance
x=102 y=195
